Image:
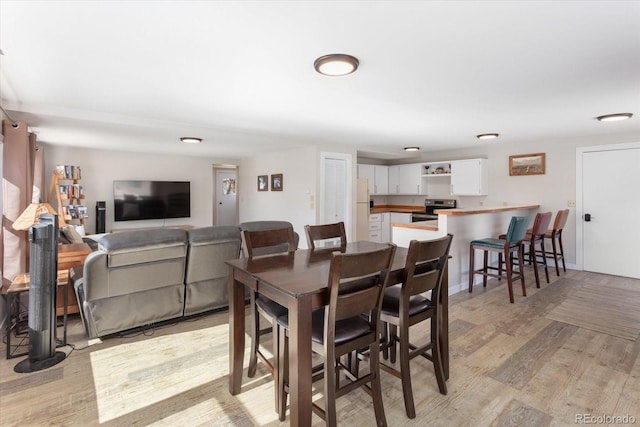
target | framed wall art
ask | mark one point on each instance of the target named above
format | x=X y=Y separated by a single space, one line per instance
x=263 y=182
x=527 y=164
x=276 y=182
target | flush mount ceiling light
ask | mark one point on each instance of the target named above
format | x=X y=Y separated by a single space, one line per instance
x=614 y=117
x=488 y=135
x=191 y=140
x=336 y=64
x=411 y=148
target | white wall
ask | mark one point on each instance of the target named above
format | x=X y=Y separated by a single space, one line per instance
x=100 y=168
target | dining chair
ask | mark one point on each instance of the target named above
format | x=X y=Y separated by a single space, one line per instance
x=534 y=235
x=405 y=305
x=511 y=243
x=350 y=322
x=263 y=242
x=326 y=235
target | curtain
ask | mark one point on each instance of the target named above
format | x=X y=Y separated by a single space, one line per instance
x=19 y=162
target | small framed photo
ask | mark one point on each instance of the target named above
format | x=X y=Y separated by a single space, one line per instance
x=527 y=164
x=263 y=182
x=276 y=182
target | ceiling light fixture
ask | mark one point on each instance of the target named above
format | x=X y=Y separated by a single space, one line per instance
x=336 y=64
x=488 y=135
x=411 y=148
x=614 y=117
x=191 y=140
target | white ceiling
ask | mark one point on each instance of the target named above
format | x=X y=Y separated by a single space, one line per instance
x=138 y=75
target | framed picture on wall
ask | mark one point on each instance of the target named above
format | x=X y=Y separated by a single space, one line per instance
x=263 y=182
x=276 y=182
x=527 y=164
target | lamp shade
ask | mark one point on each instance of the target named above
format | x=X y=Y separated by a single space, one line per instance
x=31 y=215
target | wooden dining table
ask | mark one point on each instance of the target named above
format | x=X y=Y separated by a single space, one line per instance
x=298 y=281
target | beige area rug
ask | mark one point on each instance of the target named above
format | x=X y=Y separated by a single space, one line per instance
x=607 y=308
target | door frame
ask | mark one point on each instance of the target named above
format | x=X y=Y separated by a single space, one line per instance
x=349 y=184
x=580 y=151
x=214 y=195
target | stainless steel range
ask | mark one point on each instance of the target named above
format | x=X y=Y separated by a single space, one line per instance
x=431 y=205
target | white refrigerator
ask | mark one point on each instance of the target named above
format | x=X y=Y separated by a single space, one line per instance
x=362 y=210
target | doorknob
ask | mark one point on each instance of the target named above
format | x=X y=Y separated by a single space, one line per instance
x=587 y=217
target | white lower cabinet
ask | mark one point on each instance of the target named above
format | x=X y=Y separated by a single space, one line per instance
x=380 y=228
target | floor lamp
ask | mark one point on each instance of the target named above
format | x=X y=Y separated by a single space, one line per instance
x=43 y=266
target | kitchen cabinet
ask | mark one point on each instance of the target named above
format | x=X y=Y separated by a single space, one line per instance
x=380 y=228
x=469 y=177
x=406 y=179
x=378 y=177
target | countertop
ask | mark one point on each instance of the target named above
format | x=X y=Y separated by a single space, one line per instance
x=483 y=209
x=396 y=208
x=420 y=225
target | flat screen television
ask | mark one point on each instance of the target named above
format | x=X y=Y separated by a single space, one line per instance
x=137 y=200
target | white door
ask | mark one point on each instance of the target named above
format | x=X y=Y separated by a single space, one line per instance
x=226 y=208
x=336 y=197
x=609 y=215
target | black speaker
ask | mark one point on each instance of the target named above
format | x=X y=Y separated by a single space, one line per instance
x=101 y=214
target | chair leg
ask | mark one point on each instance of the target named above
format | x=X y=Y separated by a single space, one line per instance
x=436 y=355
x=376 y=388
x=405 y=374
x=484 y=268
x=564 y=268
x=471 y=267
x=283 y=368
x=330 y=388
x=277 y=367
x=534 y=259
x=521 y=266
x=509 y=270
x=255 y=336
x=544 y=260
x=384 y=340
x=500 y=265
x=555 y=255
x=393 y=341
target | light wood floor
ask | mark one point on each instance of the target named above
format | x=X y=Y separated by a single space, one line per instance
x=510 y=365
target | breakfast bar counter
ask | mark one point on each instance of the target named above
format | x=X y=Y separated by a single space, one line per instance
x=466 y=224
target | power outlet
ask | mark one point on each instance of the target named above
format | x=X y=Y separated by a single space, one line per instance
x=571 y=203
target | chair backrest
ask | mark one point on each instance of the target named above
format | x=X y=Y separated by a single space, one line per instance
x=424 y=268
x=266 y=225
x=561 y=219
x=517 y=229
x=356 y=285
x=326 y=233
x=541 y=223
x=269 y=242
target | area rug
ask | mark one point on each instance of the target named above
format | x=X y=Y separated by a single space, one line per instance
x=612 y=309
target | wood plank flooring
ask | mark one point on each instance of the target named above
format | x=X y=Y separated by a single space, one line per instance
x=510 y=365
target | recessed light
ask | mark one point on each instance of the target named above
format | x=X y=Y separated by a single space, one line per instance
x=614 y=117
x=488 y=135
x=411 y=148
x=191 y=140
x=336 y=64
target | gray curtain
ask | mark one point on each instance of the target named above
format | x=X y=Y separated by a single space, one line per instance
x=19 y=163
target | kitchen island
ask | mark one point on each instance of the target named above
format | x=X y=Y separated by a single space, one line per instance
x=466 y=224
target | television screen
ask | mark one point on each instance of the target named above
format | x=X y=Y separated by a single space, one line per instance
x=136 y=200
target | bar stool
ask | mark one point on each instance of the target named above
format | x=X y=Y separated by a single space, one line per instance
x=556 y=234
x=535 y=235
x=511 y=243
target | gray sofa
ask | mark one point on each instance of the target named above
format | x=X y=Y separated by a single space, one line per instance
x=142 y=277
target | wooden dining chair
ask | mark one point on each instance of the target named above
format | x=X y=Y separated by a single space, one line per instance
x=555 y=235
x=512 y=243
x=350 y=322
x=263 y=243
x=405 y=305
x=332 y=235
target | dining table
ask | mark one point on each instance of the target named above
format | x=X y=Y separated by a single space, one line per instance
x=299 y=281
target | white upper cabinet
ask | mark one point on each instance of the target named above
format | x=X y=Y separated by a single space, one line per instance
x=378 y=177
x=405 y=179
x=469 y=177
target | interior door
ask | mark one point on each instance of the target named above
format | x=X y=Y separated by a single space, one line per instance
x=334 y=207
x=610 y=206
x=226 y=201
